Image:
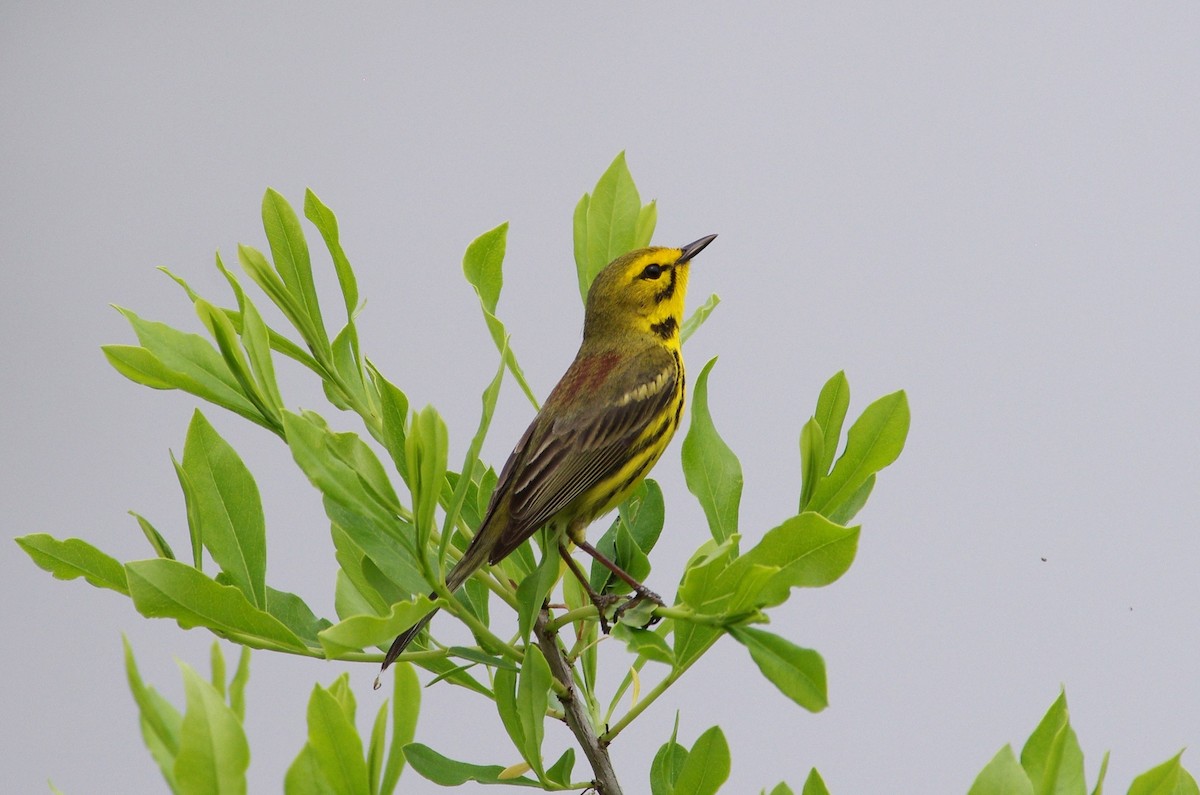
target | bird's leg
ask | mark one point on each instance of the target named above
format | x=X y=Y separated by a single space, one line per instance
x=641 y=592
x=601 y=601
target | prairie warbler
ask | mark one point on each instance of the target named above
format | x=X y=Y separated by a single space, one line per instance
x=603 y=427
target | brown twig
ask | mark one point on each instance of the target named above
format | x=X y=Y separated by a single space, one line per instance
x=578 y=719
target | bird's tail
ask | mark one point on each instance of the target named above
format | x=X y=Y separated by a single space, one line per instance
x=475 y=556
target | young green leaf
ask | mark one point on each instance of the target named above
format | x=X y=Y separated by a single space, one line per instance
x=351 y=479
x=809 y=550
x=613 y=212
x=452 y=773
x=227 y=505
x=873 y=442
x=533 y=695
x=326 y=223
x=812 y=452
x=426 y=449
x=1052 y=757
x=798 y=673
x=295 y=614
x=175 y=360
x=667 y=765
x=73 y=558
x=712 y=471
x=160 y=545
x=813 y=785
x=641 y=515
x=463 y=483
x=1002 y=776
x=393 y=404
x=706 y=767
x=645 y=643
x=213 y=752
x=831 y=413
x=365 y=631
x=560 y=771
x=160 y=721
x=697 y=318
x=482 y=265
x=163 y=588
x=406 y=704
x=290 y=253
x=532 y=591
x=336 y=746
x=1099 y=788
x=237 y=685
x=1169 y=778
x=644 y=229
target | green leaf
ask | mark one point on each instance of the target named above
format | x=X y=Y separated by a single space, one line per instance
x=561 y=770
x=304 y=775
x=533 y=696
x=462 y=485
x=697 y=318
x=326 y=223
x=336 y=746
x=812 y=452
x=831 y=413
x=345 y=470
x=365 y=631
x=237 y=685
x=850 y=508
x=482 y=265
x=641 y=515
x=160 y=721
x=706 y=767
x=143 y=367
x=406 y=704
x=798 y=673
x=504 y=688
x=393 y=404
x=1002 y=776
x=295 y=614
x=213 y=752
x=532 y=592
x=783 y=789
x=290 y=253
x=647 y=220
x=667 y=765
x=1169 y=778
x=182 y=361
x=426 y=448
x=711 y=469
x=228 y=507
x=809 y=550
x=451 y=773
x=1099 y=788
x=256 y=339
x=874 y=441
x=645 y=643
x=163 y=588
x=612 y=215
x=1052 y=757
x=160 y=545
x=73 y=558
x=813 y=785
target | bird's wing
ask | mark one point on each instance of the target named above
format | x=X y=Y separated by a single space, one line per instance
x=562 y=457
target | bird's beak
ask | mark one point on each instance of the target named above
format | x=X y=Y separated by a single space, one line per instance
x=692 y=249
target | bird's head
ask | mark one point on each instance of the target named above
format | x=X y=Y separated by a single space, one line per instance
x=641 y=293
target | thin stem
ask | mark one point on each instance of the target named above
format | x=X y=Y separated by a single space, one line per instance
x=578 y=719
x=655 y=692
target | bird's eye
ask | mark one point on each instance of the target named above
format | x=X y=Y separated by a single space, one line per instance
x=652 y=271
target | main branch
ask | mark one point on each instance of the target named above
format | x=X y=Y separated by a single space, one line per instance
x=578 y=719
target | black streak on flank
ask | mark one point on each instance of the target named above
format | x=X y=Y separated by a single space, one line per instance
x=666 y=292
x=665 y=329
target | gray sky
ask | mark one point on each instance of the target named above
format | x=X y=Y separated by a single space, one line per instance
x=993 y=208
